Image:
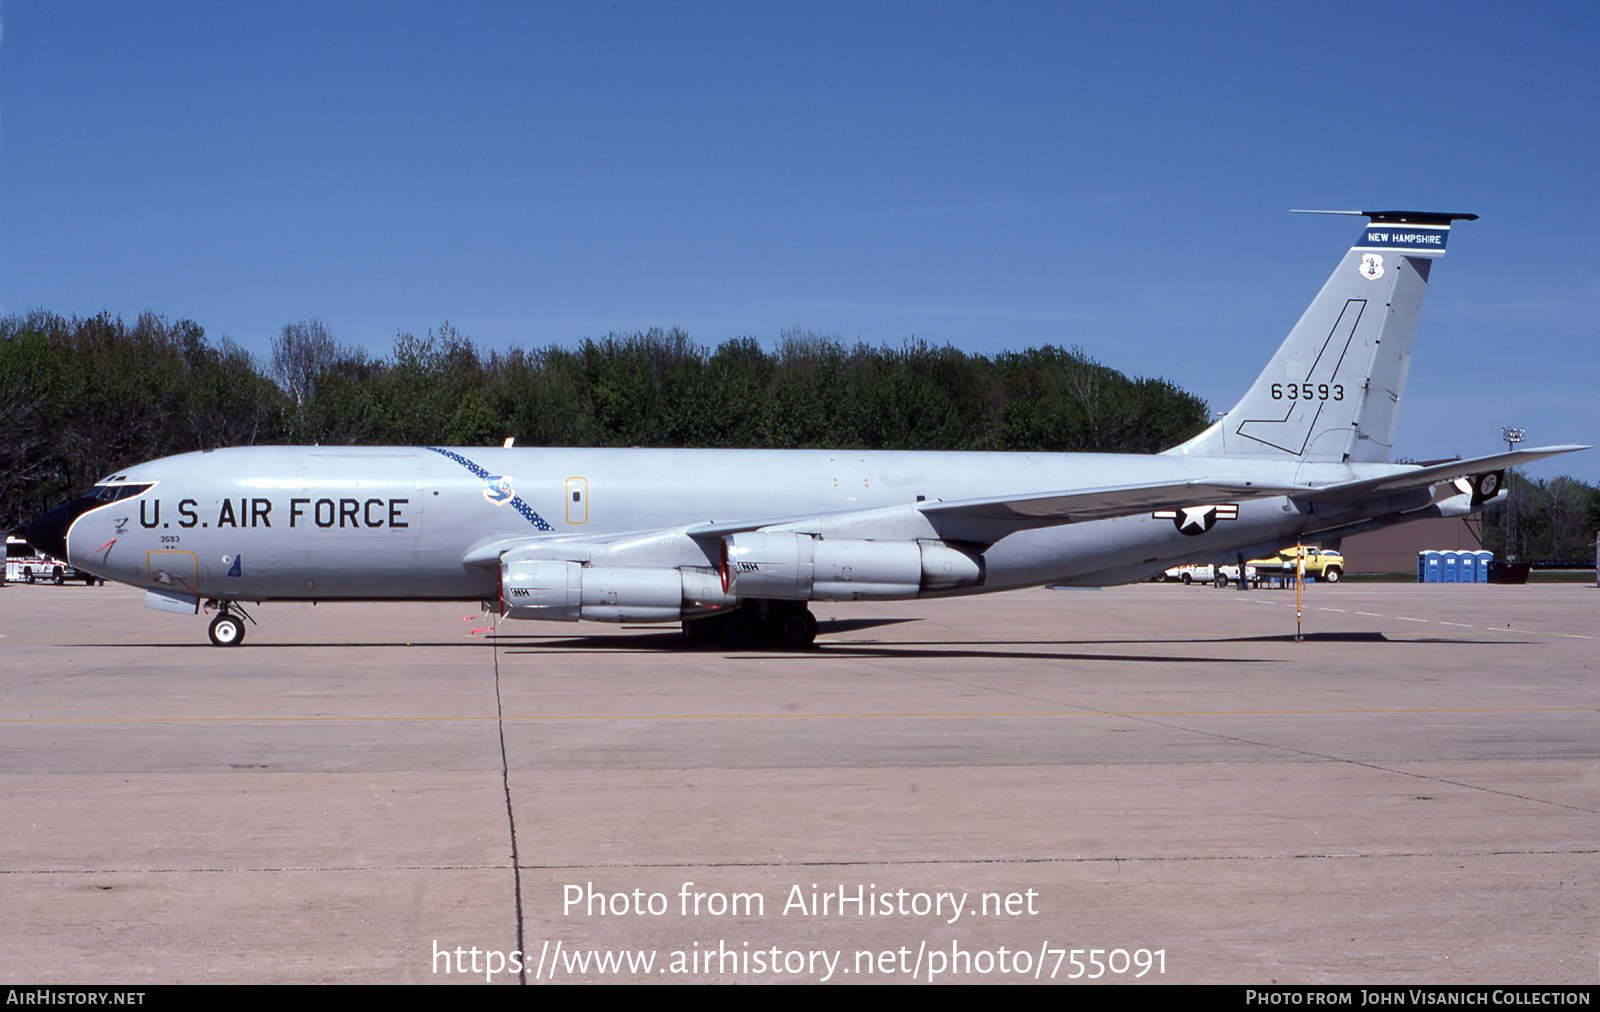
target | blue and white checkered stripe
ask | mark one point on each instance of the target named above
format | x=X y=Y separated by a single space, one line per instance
x=517 y=504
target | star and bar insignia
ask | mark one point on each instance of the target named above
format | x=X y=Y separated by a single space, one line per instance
x=1198 y=519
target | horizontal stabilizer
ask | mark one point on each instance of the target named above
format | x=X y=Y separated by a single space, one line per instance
x=1355 y=491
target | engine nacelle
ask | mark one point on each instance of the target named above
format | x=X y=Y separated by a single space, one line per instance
x=800 y=567
x=569 y=591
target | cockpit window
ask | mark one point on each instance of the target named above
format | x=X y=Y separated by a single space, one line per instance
x=111 y=493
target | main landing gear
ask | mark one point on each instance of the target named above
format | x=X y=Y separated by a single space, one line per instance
x=227 y=629
x=786 y=623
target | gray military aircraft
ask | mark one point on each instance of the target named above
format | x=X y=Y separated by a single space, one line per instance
x=735 y=543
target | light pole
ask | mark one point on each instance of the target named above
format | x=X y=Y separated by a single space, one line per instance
x=1512 y=436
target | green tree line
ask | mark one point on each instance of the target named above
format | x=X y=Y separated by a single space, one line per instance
x=1556 y=521
x=83 y=397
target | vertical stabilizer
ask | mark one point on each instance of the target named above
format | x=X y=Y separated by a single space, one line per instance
x=1332 y=392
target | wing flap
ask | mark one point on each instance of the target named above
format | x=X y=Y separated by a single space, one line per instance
x=1047 y=509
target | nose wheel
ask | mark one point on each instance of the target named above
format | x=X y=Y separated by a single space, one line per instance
x=227 y=629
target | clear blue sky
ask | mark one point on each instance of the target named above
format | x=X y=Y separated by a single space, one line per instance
x=992 y=176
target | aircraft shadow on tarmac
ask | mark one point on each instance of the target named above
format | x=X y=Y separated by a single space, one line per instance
x=954 y=647
x=1036 y=649
x=670 y=640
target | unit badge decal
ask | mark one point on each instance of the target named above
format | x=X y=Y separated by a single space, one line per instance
x=1372 y=266
x=498 y=490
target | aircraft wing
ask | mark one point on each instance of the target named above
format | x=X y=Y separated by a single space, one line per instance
x=1355 y=491
x=988 y=519
x=1047 y=509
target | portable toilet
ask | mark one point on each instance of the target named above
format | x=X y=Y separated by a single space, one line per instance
x=1428 y=566
x=1450 y=563
x=1482 y=558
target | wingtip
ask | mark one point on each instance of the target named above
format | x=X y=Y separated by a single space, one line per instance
x=1559 y=448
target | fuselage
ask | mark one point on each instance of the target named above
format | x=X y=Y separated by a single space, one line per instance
x=328 y=523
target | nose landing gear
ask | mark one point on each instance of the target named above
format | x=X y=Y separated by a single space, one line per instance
x=227 y=629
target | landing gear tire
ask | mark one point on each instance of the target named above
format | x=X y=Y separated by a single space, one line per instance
x=700 y=631
x=796 y=629
x=227 y=630
x=737 y=629
x=731 y=629
x=776 y=622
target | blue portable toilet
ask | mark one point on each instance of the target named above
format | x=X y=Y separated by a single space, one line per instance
x=1482 y=558
x=1429 y=566
x=1451 y=564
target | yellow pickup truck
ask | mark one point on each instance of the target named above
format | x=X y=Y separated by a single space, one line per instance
x=1323 y=564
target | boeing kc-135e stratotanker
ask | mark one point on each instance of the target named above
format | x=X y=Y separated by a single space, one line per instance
x=735 y=543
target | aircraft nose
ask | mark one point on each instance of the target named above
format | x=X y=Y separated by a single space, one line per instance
x=48 y=532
